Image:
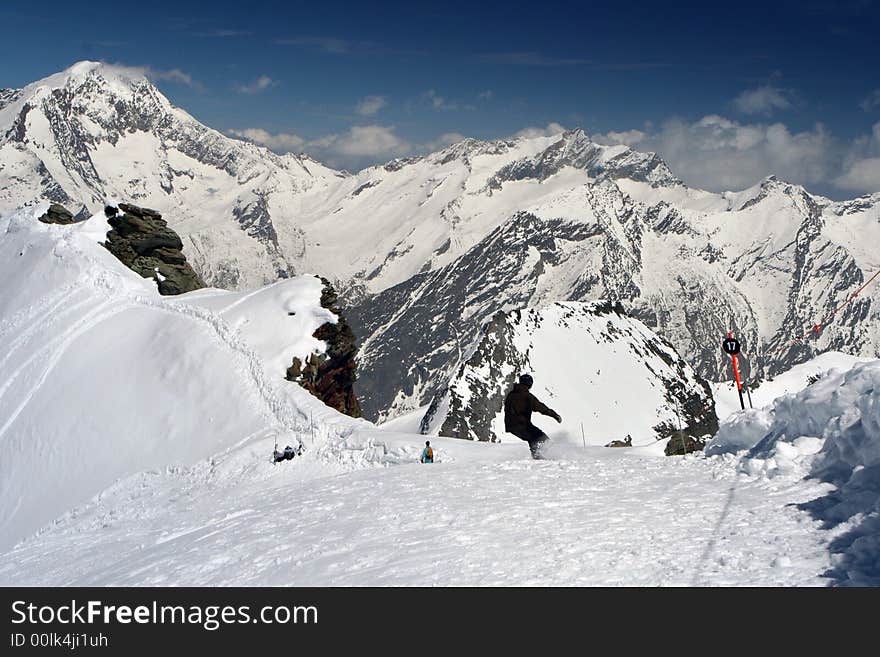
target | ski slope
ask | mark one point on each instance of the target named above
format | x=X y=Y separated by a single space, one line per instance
x=484 y=515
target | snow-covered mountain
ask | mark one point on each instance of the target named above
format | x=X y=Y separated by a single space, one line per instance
x=97 y=131
x=605 y=373
x=427 y=249
x=765 y=263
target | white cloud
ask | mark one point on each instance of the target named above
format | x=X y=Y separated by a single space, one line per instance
x=281 y=142
x=551 y=129
x=628 y=137
x=370 y=105
x=363 y=142
x=763 y=100
x=861 y=176
x=720 y=154
x=871 y=101
x=260 y=84
x=488 y=94
x=172 y=75
x=861 y=169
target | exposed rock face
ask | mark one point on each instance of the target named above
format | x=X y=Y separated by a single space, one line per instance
x=330 y=376
x=58 y=214
x=143 y=242
x=682 y=443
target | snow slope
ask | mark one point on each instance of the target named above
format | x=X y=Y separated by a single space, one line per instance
x=101 y=377
x=485 y=515
x=607 y=374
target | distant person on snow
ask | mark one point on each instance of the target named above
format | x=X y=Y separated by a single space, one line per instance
x=518 y=408
x=427 y=453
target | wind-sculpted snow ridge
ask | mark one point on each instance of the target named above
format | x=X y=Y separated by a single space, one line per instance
x=831 y=432
x=102 y=377
x=607 y=374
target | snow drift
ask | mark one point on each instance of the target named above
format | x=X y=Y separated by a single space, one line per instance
x=830 y=431
x=101 y=377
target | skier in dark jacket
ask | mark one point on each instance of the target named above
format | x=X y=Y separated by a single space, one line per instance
x=518 y=408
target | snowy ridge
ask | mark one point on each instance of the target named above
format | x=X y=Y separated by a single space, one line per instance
x=103 y=378
x=604 y=372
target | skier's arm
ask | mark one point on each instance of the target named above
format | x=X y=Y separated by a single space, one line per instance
x=538 y=407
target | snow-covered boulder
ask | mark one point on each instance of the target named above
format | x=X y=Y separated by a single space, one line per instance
x=601 y=370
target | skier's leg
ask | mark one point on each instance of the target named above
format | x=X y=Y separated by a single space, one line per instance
x=537 y=440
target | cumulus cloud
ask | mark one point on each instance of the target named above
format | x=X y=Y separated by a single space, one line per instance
x=281 y=142
x=370 y=105
x=861 y=168
x=763 y=100
x=861 y=175
x=360 y=144
x=549 y=130
x=720 y=154
x=257 y=86
x=628 y=137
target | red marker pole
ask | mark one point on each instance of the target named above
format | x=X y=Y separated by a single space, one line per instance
x=739 y=385
x=731 y=346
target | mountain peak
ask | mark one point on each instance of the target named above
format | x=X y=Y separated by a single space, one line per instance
x=120 y=76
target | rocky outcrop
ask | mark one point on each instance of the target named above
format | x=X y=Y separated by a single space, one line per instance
x=682 y=443
x=58 y=214
x=330 y=376
x=142 y=241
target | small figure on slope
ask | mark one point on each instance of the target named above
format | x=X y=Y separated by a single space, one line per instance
x=518 y=408
x=427 y=453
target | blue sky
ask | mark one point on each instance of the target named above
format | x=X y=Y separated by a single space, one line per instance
x=726 y=93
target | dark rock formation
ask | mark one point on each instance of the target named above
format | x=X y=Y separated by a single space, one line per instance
x=58 y=214
x=683 y=442
x=330 y=376
x=142 y=241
